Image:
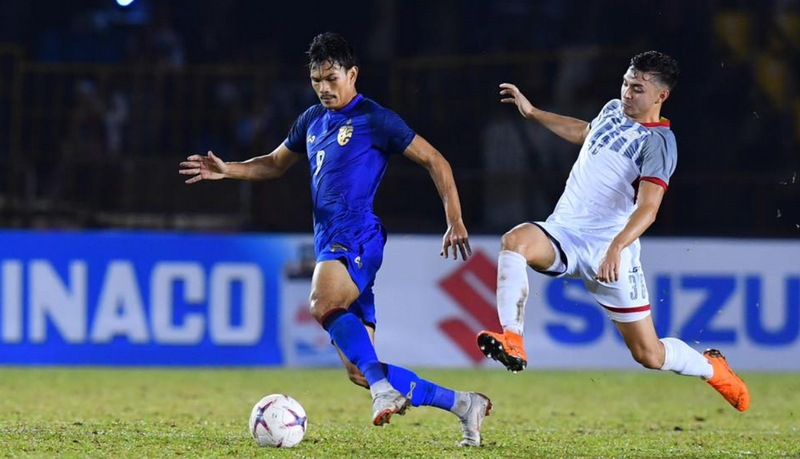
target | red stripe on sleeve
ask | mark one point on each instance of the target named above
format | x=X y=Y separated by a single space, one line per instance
x=655 y=180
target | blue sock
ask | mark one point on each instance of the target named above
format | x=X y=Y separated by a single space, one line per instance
x=350 y=336
x=425 y=392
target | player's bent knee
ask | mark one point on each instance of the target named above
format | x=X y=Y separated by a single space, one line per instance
x=512 y=241
x=530 y=242
x=518 y=241
x=321 y=305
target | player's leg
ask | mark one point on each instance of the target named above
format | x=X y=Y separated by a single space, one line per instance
x=353 y=373
x=672 y=354
x=627 y=303
x=332 y=292
x=645 y=347
x=525 y=245
x=422 y=392
x=470 y=407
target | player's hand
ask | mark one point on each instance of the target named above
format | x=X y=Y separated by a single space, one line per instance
x=203 y=168
x=456 y=238
x=512 y=95
x=609 y=266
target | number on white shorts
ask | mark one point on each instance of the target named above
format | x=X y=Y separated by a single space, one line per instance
x=636 y=281
x=634 y=290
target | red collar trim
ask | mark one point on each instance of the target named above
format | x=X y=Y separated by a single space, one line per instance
x=664 y=122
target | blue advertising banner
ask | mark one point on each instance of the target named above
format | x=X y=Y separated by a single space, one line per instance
x=114 y=298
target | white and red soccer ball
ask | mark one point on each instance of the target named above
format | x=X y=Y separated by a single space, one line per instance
x=278 y=420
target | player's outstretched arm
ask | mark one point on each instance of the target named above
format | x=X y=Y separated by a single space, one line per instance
x=647 y=205
x=211 y=167
x=456 y=237
x=570 y=129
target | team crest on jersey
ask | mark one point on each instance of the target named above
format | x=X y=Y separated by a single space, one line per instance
x=312 y=138
x=345 y=132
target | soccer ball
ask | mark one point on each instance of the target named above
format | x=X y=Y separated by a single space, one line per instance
x=278 y=420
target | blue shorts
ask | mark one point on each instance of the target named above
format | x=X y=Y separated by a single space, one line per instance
x=362 y=258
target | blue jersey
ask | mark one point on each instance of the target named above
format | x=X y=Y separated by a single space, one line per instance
x=347 y=151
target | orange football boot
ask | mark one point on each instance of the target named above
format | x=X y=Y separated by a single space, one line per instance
x=726 y=382
x=506 y=349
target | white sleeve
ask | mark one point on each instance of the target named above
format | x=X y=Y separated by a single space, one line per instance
x=659 y=158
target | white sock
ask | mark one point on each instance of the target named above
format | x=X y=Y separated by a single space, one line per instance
x=682 y=359
x=380 y=387
x=512 y=290
x=462 y=404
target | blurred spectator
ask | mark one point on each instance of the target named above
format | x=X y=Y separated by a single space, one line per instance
x=116 y=117
x=737 y=99
x=505 y=165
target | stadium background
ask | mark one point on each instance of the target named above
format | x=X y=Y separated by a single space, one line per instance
x=108 y=258
x=111 y=268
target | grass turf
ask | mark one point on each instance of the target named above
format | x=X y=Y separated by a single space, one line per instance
x=80 y=413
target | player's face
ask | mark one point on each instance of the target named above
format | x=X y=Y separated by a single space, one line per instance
x=641 y=95
x=335 y=86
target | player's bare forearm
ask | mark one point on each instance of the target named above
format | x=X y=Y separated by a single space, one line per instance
x=650 y=196
x=258 y=168
x=265 y=167
x=423 y=153
x=456 y=237
x=442 y=175
x=570 y=129
x=649 y=201
x=640 y=221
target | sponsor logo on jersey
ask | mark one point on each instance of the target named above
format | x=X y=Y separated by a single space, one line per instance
x=633 y=134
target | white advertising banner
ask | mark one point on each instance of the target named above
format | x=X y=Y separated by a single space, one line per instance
x=740 y=296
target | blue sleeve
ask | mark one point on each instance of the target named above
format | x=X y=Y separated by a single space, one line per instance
x=296 y=140
x=393 y=133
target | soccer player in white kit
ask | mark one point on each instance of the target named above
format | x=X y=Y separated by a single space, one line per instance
x=612 y=196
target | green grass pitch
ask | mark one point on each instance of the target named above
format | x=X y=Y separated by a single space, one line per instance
x=187 y=413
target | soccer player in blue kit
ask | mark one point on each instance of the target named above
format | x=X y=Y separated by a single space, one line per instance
x=347 y=139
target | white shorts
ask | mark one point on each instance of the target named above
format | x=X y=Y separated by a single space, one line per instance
x=581 y=252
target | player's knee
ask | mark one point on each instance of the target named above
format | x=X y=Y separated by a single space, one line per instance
x=647 y=356
x=322 y=304
x=536 y=251
x=512 y=241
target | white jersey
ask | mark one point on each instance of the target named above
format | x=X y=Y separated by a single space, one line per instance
x=617 y=154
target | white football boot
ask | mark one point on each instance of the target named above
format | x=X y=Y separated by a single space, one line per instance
x=479 y=407
x=385 y=404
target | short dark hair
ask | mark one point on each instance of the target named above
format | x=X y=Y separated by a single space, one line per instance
x=663 y=67
x=333 y=48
